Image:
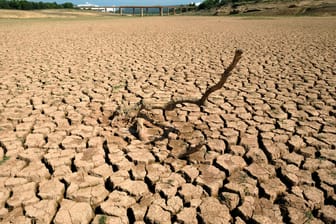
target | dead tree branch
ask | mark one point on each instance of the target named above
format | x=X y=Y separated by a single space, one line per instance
x=138 y=118
x=200 y=102
x=224 y=77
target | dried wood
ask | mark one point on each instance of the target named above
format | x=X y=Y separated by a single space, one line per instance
x=171 y=105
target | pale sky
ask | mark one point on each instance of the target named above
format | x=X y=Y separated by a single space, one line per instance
x=126 y=2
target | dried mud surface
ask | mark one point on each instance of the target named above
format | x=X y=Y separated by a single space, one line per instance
x=66 y=156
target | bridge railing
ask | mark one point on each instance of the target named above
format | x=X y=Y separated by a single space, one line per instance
x=119 y=9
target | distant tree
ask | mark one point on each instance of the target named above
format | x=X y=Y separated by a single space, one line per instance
x=24 y=5
x=41 y=5
x=27 y=5
x=208 y=4
x=4 y=4
x=67 y=5
x=14 y=5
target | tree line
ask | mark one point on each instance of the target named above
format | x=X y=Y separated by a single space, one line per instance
x=27 y=5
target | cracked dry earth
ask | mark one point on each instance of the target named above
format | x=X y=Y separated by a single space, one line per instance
x=270 y=131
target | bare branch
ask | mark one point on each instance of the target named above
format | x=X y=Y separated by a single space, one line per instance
x=225 y=75
x=199 y=102
x=138 y=118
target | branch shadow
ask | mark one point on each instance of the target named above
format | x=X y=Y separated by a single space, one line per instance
x=165 y=135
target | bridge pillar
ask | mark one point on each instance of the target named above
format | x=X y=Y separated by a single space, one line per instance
x=174 y=11
x=141 y=12
x=161 y=11
x=120 y=11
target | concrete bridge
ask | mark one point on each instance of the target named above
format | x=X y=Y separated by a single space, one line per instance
x=144 y=9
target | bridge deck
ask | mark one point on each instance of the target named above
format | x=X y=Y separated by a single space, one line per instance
x=142 y=7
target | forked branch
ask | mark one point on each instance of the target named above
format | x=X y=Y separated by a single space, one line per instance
x=200 y=102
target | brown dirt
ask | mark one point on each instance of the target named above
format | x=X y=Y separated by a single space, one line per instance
x=67 y=157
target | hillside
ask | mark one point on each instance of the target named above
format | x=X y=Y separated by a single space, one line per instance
x=277 y=7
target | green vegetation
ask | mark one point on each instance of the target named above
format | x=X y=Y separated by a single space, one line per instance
x=4 y=159
x=309 y=216
x=102 y=219
x=208 y=4
x=117 y=87
x=27 y=5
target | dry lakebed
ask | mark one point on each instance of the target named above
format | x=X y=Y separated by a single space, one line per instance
x=69 y=155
